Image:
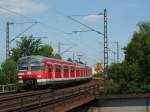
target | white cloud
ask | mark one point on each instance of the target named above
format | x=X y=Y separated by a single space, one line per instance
x=21 y=6
x=92 y=18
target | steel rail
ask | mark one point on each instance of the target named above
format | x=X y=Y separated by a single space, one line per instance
x=34 y=101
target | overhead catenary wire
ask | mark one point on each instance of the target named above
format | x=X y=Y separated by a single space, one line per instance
x=33 y=20
x=43 y=24
x=92 y=29
x=18 y=36
x=16 y=13
x=36 y=21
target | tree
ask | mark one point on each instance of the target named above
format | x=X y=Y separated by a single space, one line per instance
x=45 y=50
x=125 y=75
x=15 y=53
x=144 y=26
x=57 y=56
x=25 y=47
x=69 y=59
x=30 y=46
x=9 y=69
x=138 y=52
x=133 y=74
x=3 y=78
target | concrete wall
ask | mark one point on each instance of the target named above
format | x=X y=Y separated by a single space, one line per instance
x=121 y=105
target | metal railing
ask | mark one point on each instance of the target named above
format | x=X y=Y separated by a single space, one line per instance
x=8 y=88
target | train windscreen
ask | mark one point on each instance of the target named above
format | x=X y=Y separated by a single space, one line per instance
x=30 y=64
x=22 y=67
x=35 y=67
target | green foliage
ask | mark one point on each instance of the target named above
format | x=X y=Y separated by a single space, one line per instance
x=125 y=75
x=3 y=78
x=46 y=50
x=25 y=47
x=30 y=46
x=133 y=74
x=57 y=56
x=113 y=88
x=98 y=75
x=69 y=59
x=9 y=71
x=138 y=52
x=144 y=26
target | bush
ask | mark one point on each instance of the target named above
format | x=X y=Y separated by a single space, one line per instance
x=9 y=69
x=3 y=78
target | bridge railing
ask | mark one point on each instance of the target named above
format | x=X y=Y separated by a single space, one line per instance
x=7 y=88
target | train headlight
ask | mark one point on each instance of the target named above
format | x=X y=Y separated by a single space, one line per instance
x=20 y=74
x=20 y=77
x=39 y=76
x=29 y=73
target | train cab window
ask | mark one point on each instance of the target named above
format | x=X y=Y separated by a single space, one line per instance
x=33 y=68
x=57 y=68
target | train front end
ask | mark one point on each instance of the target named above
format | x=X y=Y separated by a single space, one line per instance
x=30 y=69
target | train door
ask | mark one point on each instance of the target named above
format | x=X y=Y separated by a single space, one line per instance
x=50 y=71
x=72 y=71
x=58 y=71
x=66 y=71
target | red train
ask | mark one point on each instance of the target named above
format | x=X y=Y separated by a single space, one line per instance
x=35 y=71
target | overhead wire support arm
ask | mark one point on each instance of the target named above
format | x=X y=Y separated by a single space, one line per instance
x=81 y=31
x=105 y=45
x=104 y=34
x=18 y=36
x=84 y=25
x=68 y=49
x=16 y=13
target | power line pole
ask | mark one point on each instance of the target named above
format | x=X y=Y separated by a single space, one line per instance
x=105 y=45
x=117 y=50
x=79 y=57
x=7 y=39
x=114 y=56
x=59 y=47
x=73 y=56
x=104 y=34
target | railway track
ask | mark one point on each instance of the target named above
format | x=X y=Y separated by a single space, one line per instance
x=36 y=100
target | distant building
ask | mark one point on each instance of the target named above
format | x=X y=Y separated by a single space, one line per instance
x=98 y=68
x=93 y=70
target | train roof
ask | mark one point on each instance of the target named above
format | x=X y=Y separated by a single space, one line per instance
x=42 y=58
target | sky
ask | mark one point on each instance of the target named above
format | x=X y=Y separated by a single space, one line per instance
x=52 y=22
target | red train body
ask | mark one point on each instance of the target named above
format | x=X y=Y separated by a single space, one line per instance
x=34 y=71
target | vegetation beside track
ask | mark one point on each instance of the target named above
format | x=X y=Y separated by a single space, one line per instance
x=98 y=76
x=30 y=101
x=133 y=74
x=8 y=88
x=26 y=46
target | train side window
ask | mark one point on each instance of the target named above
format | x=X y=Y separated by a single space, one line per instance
x=72 y=69
x=49 y=68
x=77 y=70
x=58 y=68
x=66 y=69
